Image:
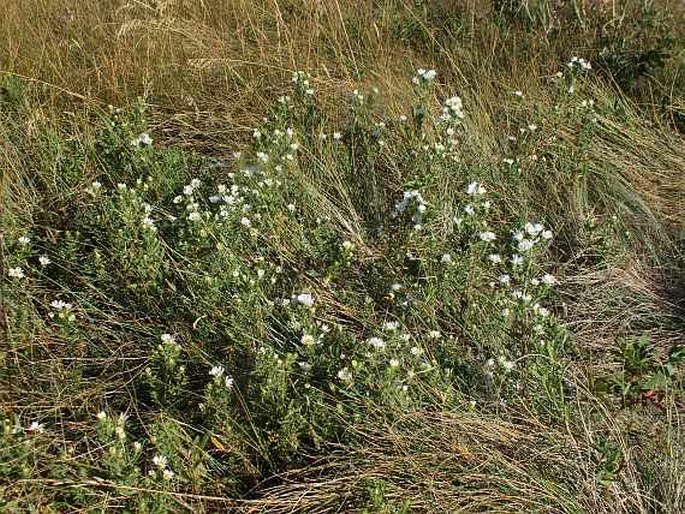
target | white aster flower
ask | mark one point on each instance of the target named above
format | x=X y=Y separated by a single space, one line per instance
x=61 y=305
x=487 y=236
x=548 y=279
x=345 y=375
x=305 y=299
x=475 y=189
x=308 y=340
x=376 y=342
x=217 y=371
x=143 y=139
x=160 y=461
x=149 y=223
x=16 y=272
x=391 y=326
x=39 y=428
x=23 y=240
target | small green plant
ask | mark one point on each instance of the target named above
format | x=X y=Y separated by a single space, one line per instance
x=166 y=373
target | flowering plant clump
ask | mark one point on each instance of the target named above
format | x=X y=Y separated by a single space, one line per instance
x=251 y=312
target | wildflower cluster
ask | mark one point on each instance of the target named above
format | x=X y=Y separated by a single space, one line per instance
x=120 y=456
x=166 y=375
x=423 y=77
x=413 y=204
x=62 y=311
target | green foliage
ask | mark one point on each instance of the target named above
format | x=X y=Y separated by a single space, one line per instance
x=309 y=286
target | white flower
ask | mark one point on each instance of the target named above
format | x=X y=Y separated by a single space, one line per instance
x=337 y=136
x=305 y=299
x=44 y=260
x=475 y=189
x=579 y=63
x=495 y=258
x=434 y=334
x=415 y=351
x=446 y=259
x=167 y=474
x=245 y=222
x=102 y=415
x=423 y=76
x=394 y=363
x=168 y=338
x=160 y=461
x=94 y=188
x=519 y=94
x=510 y=162
x=228 y=382
x=308 y=340
x=16 y=272
x=143 y=139
x=194 y=216
x=149 y=223
x=532 y=127
x=402 y=118
x=61 y=305
x=291 y=207
x=540 y=311
x=396 y=287
x=23 y=240
x=469 y=210
x=453 y=109
x=546 y=234
x=548 y=279
x=391 y=326
x=533 y=229
x=345 y=375
x=376 y=342
x=505 y=279
x=217 y=371
x=36 y=427
x=487 y=236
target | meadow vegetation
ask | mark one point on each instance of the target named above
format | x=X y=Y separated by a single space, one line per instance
x=342 y=256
